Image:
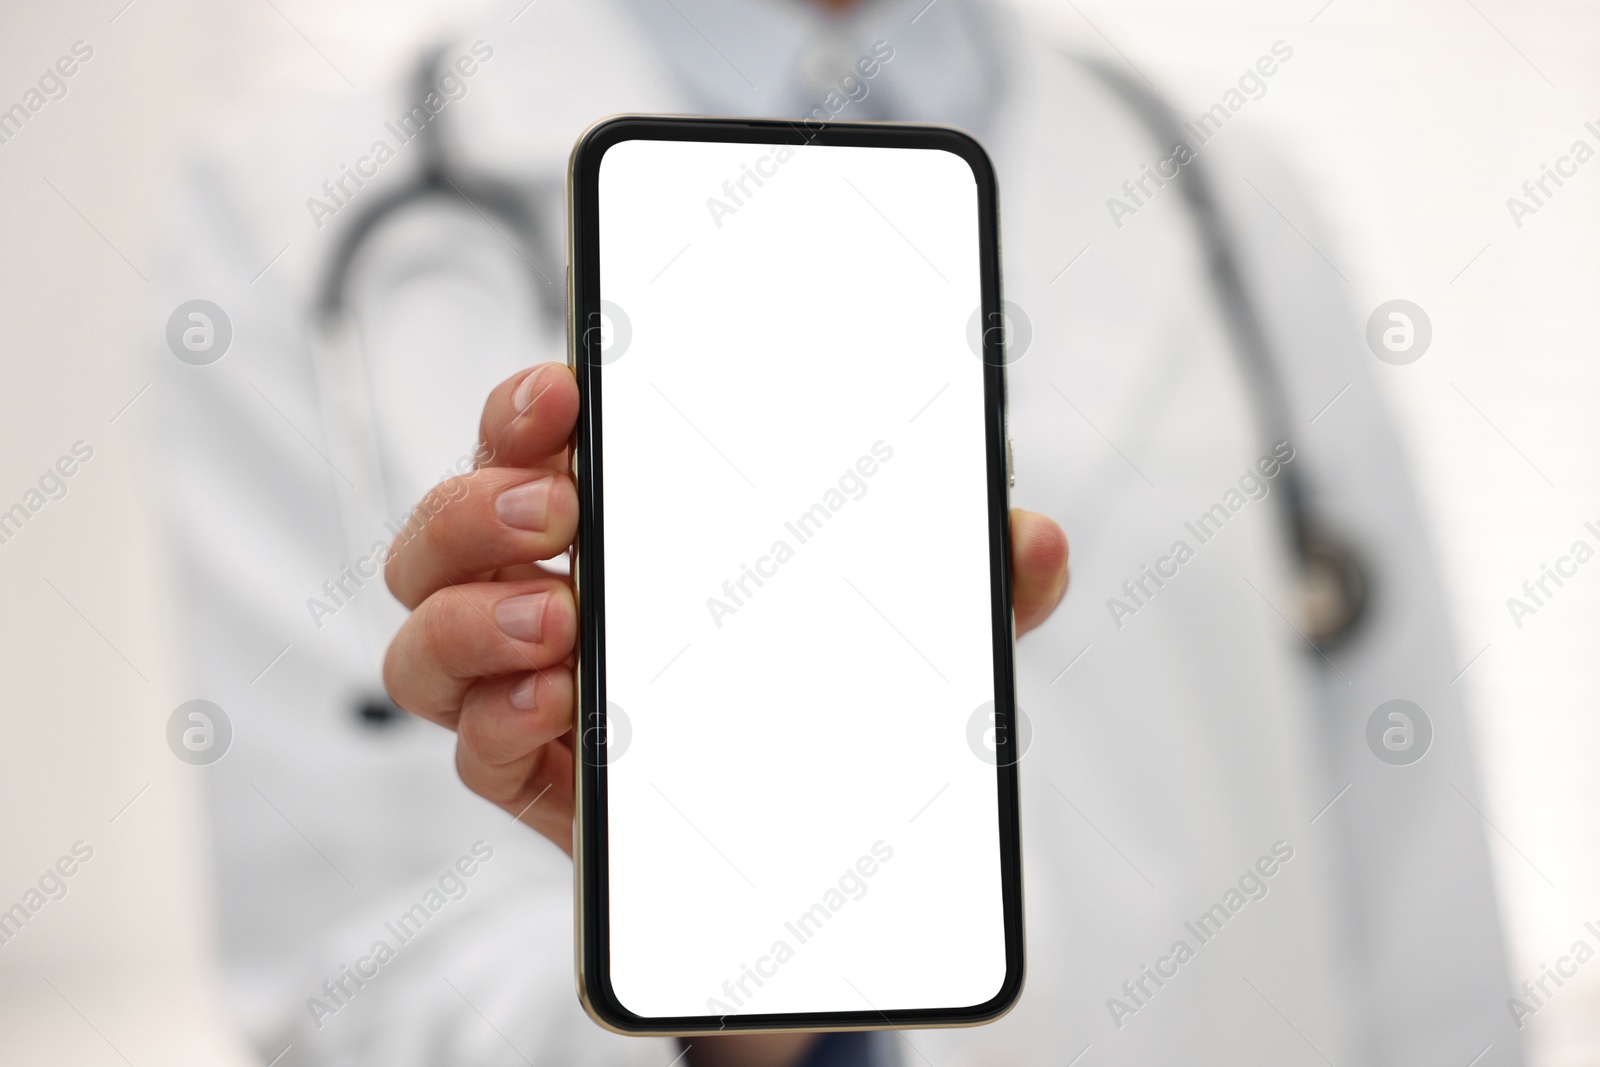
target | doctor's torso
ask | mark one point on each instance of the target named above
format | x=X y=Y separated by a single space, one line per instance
x=1174 y=763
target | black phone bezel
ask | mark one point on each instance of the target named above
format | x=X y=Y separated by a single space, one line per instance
x=590 y=840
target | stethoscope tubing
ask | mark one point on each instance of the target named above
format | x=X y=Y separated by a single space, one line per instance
x=1323 y=556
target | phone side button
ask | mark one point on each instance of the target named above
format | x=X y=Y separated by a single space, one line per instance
x=1011 y=471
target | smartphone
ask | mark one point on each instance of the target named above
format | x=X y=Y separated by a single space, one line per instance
x=796 y=745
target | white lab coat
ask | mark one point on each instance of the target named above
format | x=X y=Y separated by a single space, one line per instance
x=1169 y=753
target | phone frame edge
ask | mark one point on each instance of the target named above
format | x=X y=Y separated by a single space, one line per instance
x=591 y=975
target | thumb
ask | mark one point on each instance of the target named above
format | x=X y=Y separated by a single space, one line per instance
x=1038 y=568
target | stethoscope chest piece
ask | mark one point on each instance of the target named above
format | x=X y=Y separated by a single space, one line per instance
x=1333 y=589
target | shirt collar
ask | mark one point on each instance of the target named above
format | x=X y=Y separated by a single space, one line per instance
x=790 y=58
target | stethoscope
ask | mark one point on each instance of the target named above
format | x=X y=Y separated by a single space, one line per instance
x=1334 y=585
x=340 y=353
x=1334 y=582
x=502 y=203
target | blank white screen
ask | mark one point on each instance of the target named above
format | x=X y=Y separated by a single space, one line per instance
x=779 y=351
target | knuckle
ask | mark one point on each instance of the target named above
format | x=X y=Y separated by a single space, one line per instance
x=469 y=771
x=408 y=663
x=434 y=528
x=479 y=778
x=397 y=572
x=476 y=736
x=436 y=630
x=391 y=680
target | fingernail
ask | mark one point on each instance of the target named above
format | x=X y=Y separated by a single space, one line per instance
x=523 y=396
x=522 y=617
x=525 y=506
x=522 y=692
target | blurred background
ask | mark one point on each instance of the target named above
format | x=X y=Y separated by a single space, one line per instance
x=1411 y=123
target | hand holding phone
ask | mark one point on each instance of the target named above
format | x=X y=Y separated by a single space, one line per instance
x=774 y=731
x=510 y=699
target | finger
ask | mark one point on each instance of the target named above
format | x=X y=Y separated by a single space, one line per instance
x=541 y=789
x=513 y=748
x=505 y=718
x=466 y=632
x=529 y=417
x=491 y=518
x=1038 y=568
